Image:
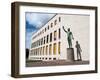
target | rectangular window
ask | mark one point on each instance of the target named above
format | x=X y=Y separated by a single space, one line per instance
x=44 y=40
x=55 y=22
x=50 y=37
x=46 y=49
x=43 y=50
x=49 y=58
x=59 y=19
x=59 y=47
x=47 y=38
x=36 y=43
x=33 y=44
x=45 y=29
x=38 y=51
x=59 y=33
x=51 y=25
x=54 y=49
x=55 y=35
x=31 y=52
x=48 y=27
x=41 y=41
x=54 y=58
x=34 y=51
x=50 y=49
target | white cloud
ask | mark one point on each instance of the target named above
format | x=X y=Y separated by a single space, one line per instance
x=38 y=19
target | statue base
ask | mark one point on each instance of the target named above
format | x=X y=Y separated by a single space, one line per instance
x=70 y=54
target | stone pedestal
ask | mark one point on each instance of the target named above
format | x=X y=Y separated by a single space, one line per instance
x=70 y=54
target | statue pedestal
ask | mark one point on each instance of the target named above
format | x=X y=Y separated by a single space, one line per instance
x=70 y=54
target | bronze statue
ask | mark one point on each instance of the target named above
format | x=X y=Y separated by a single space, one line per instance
x=79 y=50
x=69 y=37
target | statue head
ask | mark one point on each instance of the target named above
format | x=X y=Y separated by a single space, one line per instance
x=68 y=29
x=76 y=42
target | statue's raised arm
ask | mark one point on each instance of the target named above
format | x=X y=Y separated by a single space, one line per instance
x=64 y=29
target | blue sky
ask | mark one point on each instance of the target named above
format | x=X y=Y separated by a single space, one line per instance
x=34 y=21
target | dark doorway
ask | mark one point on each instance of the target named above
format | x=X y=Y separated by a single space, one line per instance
x=27 y=53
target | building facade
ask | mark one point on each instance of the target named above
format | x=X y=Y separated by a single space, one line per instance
x=49 y=42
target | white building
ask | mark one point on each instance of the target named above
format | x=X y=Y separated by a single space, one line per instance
x=50 y=41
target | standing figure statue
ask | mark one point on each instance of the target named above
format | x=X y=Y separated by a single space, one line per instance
x=79 y=50
x=69 y=37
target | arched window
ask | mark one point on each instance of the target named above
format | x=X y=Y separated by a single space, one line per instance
x=59 y=33
x=50 y=49
x=54 y=48
x=50 y=37
x=59 y=44
x=46 y=49
x=55 y=35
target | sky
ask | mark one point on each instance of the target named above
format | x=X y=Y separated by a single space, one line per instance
x=34 y=21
